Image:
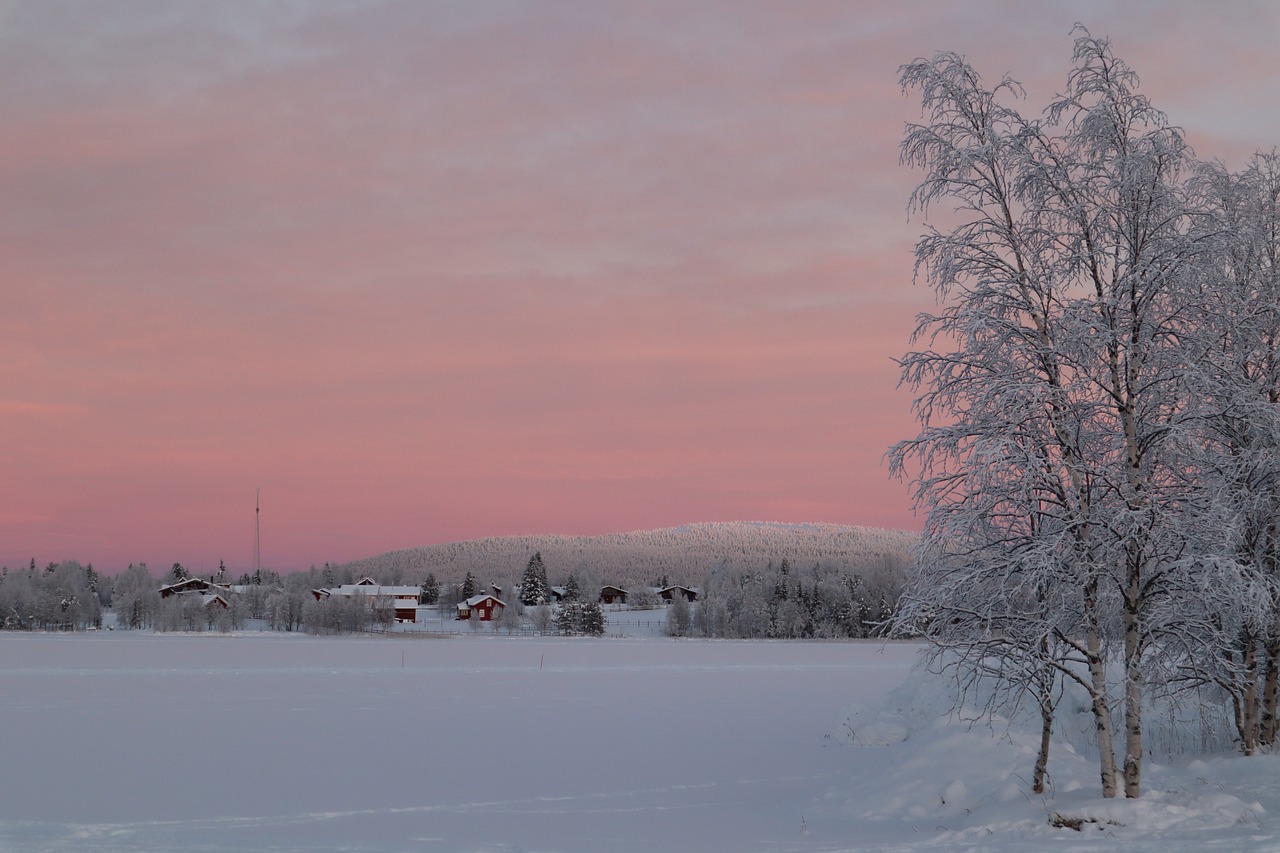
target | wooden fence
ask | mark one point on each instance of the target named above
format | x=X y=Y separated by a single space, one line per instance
x=444 y=628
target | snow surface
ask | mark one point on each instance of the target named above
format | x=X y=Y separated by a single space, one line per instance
x=130 y=741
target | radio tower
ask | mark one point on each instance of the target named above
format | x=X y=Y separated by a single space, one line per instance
x=257 y=532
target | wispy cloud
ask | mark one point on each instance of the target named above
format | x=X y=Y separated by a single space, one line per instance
x=431 y=271
x=37 y=409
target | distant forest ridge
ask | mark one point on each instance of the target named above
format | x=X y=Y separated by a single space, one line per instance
x=681 y=554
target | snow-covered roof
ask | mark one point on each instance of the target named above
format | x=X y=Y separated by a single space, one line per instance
x=476 y=599
x=193 y=584
x=374 y=589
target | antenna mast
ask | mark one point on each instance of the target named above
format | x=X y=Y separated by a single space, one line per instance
x=257 y=531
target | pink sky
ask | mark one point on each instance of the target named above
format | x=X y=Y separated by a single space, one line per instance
x=426 y=272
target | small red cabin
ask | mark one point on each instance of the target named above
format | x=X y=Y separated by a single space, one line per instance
x=486 y=607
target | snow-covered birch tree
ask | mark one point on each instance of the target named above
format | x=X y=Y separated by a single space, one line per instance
x=1234 y=454
x=1051 y=384
x=1000 y=475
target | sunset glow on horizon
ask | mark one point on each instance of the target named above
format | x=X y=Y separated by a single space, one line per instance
x=426 y=272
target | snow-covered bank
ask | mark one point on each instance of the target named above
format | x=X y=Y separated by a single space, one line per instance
x=140 y=742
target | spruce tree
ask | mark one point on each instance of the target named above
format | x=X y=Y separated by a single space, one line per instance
x=592 y=619
x=569 y=620
x=533 y=583
x=430 y=592
x=469 y=586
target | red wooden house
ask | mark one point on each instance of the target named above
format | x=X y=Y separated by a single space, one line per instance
x=485 y=606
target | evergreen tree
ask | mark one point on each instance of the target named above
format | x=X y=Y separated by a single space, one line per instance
x=572 y=589
x=179 y=572
x=469 y=586
x=569 y=620
x=430 y=592
x=592 y=619
x=533 y=583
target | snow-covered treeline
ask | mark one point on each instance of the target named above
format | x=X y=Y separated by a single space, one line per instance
x=59 y=597
x=675 y=555
x=783 y=601
x=754 y=580
x=1099 y=452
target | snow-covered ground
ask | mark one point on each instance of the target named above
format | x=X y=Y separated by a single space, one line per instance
x=122 y=741
x=619 y=622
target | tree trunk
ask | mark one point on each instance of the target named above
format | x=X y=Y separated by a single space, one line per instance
x=1102 y=719
x=1271 y=685
x=1133 y=733
x=1270 y=693
x=1249 y=712
x=1098 y=692
x=1132 y=686
x=1045 y=682
x=1042 y=758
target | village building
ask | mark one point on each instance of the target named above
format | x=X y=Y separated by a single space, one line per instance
x=613 y=595
x=194 y=585
x=486 y=607
x=398 y=602
x=669 y=593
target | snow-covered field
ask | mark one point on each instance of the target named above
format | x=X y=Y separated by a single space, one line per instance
x=621 y=622
x=133 y=741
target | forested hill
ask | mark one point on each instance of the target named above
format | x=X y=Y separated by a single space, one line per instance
x=681 y=554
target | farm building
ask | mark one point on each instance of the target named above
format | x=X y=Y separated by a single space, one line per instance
x=613 y=595
x=193 y=585
x=486 y=607
x=669 y=593
x=403 y=599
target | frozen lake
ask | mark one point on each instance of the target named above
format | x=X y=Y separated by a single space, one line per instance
x=134 y=741
x=120 y=741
